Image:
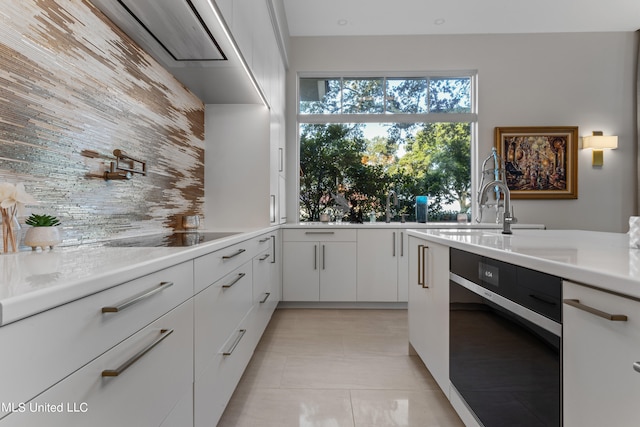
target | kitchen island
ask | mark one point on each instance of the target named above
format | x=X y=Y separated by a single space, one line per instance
x=600 y=339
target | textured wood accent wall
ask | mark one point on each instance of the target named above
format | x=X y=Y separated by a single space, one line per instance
x=72 y=85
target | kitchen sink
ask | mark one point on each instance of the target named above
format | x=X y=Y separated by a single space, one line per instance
x=169 y=240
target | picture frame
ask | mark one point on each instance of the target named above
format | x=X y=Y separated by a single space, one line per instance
x=539 y=162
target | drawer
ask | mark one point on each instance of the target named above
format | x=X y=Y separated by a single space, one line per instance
x=211 y=267
x=541 y=292
x=142 y=394
x=319 y=234
x=263 y=242
x=214 y=386
x=265 y=294
x=218 y=311
x=43 y=349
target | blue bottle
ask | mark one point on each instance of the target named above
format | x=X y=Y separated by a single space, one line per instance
x=421 y=208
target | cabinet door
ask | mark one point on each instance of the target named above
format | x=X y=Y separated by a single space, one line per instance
x=437 y=306
x=601 y=386
x=378 y=255
x=417 y=304
x=403 y=266
x=300 y=274
x=428 y=306
x=337 y=271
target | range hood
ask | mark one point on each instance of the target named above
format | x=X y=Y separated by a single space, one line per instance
x=191 y=40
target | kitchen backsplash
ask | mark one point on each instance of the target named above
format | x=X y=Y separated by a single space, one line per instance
x=73 y=88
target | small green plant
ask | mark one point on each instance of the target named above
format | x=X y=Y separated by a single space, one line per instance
x=42 y=221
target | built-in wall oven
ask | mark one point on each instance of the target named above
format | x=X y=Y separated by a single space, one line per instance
x=505 y=341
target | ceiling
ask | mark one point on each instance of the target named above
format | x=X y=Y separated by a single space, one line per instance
x=404 y=17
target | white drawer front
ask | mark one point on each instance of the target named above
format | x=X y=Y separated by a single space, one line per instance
x=214 y=386
x=211 y=267
x=143 y=394
x=65 y=338
x=319 y=234
x=218 y=311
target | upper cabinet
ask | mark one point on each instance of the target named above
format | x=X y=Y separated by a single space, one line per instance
x=185 y=44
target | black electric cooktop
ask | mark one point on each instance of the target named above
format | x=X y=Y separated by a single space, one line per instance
x=169 y=240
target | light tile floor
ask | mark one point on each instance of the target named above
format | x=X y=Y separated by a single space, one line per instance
x=337 y=368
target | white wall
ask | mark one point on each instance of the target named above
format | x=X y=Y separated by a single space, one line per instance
x=573 y=79
x=236 y=167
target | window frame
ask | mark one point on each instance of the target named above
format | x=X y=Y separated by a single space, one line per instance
x=384 y=117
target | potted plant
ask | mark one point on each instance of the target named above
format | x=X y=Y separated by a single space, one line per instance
x=43 y=232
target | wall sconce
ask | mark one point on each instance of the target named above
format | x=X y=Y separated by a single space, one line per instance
x=598 y=142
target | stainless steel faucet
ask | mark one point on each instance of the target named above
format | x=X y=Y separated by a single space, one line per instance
x=395 y=203
x=507 y=216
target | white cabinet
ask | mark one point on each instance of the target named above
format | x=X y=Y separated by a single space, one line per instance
x=49 y=346
x=428 y=306
x=230 y=316
x=266 y=285
x=319 y=265
x=601 y=385
x=138 y=382
x=382 y=265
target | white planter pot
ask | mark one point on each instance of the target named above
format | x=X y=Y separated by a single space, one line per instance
x=44 y=237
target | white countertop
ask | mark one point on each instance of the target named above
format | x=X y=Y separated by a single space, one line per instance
x=34 y=281
x=599 y=259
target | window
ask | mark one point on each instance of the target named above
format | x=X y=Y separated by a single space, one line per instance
x=361 y=137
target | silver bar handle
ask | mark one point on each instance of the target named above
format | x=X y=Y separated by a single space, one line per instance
x=266 y=297
x=401 y=244
x=235 y=254
x=273 y=207
x=281 y=165
x=613 y=317
x=420 y=265
x=424 y=267
x=273 y=247
x=393 y=244
x=266 y=239
x=241 y=333
x=137 y=298
x=262 y=258
x=315 y=257
x=324 y=258
x=319 y=232
x=234 y=281
x=164 y=333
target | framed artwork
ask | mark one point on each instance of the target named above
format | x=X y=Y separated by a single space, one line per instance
x=539 y=162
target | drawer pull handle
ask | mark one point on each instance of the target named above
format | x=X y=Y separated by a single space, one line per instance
x=266 y=297
x=241 y=333
x=273 y=247
x=613 y=317
x=319 y=232
x=234 y=254
x=636 y=366
x=262 y=258
x=133 y=359
x=393 y=244
x=137 y=298
x=542 y=299
x=234 y=281
x=266 y=239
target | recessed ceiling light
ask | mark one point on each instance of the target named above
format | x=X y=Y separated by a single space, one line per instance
x=439 y=21
x=342 y=22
